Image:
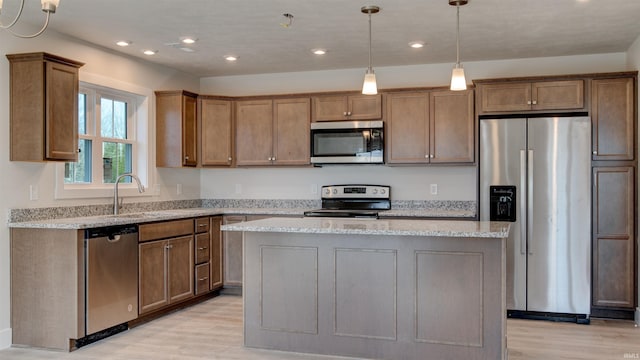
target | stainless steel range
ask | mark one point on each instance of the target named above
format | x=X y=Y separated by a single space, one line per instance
x=353 y=201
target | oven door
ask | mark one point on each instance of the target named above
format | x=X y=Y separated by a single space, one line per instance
x=339 y=143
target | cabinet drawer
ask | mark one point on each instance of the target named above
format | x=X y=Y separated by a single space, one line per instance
x=203 y=244
x=202 y=278
x=165 y=229
x=202 y=225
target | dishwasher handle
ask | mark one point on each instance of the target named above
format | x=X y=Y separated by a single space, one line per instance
x=112 y=233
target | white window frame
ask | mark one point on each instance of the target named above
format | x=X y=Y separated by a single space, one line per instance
x=139 y=111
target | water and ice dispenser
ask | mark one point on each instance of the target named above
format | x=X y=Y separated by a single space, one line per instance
x=503 y=203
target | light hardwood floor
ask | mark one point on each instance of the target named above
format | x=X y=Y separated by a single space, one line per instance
x=213 y=330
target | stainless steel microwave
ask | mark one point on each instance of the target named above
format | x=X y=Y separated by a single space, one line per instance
x=347 y=142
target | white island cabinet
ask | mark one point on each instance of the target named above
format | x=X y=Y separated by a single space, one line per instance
x=383 y=289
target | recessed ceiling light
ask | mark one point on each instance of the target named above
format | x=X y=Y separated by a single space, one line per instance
x=231 y=58
x=416 y=44
x=188 y=40
x=319 y=51
x=124 y=43
x=150 y=52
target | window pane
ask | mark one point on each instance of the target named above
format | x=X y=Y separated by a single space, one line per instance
x=82 y=113
x=113 y=118
x=79 y=172
x=106 y=118
x=116 y=160
x=119 y=120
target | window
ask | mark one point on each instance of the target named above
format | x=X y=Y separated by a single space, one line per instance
x=112 y=140
x=106 y=138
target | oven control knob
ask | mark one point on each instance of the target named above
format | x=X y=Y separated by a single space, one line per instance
x=382 y=191
x=327 y=191
x=375 y=191
x=335 y=191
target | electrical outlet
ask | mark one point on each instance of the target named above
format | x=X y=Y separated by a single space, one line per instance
x=33 y=192
x=238 y=188
x=314 y=188
x=434 y=189
x=179 y=189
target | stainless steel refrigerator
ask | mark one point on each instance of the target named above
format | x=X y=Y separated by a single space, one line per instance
x=536 y=172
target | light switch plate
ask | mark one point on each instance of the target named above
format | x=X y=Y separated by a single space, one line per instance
x=434 y=189
x=33 y=192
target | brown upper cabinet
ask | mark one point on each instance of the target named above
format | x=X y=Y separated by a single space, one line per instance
x=176 y=129
x=430 y=127
x=613 y=118
x=273 y=132
x=529 y=96
x=216 y=131
x=44 y=107
x=347 y=107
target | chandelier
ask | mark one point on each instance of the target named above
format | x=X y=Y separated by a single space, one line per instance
x=48 y=6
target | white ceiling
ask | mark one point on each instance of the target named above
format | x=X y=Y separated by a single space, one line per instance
x=250 y=29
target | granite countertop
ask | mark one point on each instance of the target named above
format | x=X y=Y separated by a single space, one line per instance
x=87 y=222
x=440 y=228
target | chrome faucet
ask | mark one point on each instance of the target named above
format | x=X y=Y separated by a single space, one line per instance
x=116 y=206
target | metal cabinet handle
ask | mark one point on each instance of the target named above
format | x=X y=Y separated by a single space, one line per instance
x=202 y=225
x=529 y=102
x=202 y=248
x=345 y=113
x=273 y=158
x=426 y=156
x=168 y=247
x=186 y=157
x=204 y=278
x=535 y=102
x=523 y=205
x=595 y=152
x=530 y=201
x=432 y=156
x=229 y=158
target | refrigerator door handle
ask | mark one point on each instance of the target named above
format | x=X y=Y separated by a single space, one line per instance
x=530 y=200
x=523 y=205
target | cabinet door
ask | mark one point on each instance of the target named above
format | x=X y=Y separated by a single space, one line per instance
x=152 y=274
x=232 y=253
x=613 y=119
x=552 y=95
x=504 y=97
x=216 y=132
x=180 y=268
x=452 y=131
x=365 y=107
x=61 y=118
x=254 y=132
x=407 y=128
x=189 y=132
x=613 y=237
x=291 y=122
x=216 y=254
x=329 y=108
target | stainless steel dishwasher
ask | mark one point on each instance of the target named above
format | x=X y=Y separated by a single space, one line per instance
x=111 y=276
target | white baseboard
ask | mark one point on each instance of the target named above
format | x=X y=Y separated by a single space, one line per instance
x=5 y=338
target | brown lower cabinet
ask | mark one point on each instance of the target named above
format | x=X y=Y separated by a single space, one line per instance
x=166 y=266
x=215 y=267
x=614 y=250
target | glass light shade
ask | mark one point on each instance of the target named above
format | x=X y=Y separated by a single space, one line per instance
x=458 y=81
x=369 y=87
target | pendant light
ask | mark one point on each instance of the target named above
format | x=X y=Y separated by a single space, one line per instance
x=458 y=81
x=369 y=87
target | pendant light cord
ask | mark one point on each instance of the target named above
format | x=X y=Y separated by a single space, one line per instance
x=458 y=35
x=370 y=69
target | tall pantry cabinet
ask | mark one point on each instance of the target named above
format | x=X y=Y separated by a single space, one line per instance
x=614 y=166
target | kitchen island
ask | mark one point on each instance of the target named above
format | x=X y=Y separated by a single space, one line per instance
x=390 y=289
